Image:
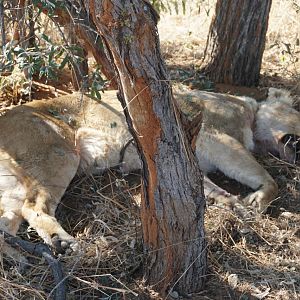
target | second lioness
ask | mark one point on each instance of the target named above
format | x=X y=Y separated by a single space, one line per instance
x=232 y=128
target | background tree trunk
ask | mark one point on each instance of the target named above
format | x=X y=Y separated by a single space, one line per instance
x=173 y=202
x=80 y=67
x=236 y=41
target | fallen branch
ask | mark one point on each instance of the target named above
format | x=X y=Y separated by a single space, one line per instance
x=44 y=251
x=50 y=88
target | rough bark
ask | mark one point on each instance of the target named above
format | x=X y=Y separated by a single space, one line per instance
x=236 y=41
x=173 y=202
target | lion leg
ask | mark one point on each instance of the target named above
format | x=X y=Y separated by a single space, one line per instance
x=43 y=221
x=9 y=223
x=215 y=194
x=53 y=174
x=231 y=157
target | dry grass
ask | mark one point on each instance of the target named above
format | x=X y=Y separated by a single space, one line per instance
x=12 y=86
x=255 y=258
x=184 y=38
x=281 y=61
x=102 y=213
x=259 y=256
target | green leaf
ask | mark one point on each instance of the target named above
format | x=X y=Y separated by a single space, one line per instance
x=64 y=62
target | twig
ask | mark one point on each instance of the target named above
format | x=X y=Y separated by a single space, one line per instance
x=44 y=251
x=49 y=87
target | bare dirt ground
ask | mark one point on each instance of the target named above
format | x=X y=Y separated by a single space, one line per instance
x=254 y=258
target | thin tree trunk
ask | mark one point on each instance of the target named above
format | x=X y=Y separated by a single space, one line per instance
x=2 y=26
x=236 y=41
x=19 y=31
x=31 y=35
x=87 y=35
x=90 y=40
x=81 y=72
x=80 y=68
x=173 y=202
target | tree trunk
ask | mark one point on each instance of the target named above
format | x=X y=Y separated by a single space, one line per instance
x=31 y=35
x=80 y=67
x=173 y=203
x=236 y=41
x=81 y=71
x=90 y=40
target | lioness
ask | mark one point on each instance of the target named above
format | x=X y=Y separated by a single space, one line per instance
x=232 y=128
x=44 y=143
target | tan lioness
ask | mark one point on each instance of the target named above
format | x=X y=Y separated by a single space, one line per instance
x=232 y=128
x=43 y=144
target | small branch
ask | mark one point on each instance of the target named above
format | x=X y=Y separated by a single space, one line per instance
x=50 y=88
x=44 y=251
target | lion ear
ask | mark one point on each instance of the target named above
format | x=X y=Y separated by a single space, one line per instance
x=280 y=95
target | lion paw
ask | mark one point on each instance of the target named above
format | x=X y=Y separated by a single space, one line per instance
x=258 y=200
x=64 y=246
x=222 y=199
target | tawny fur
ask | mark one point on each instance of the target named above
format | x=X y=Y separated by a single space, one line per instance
x=232 y=128
x=43 y=144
